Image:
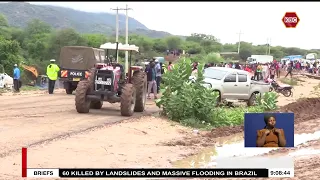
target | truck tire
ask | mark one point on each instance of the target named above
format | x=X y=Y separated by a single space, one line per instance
x=69 y=90
x=127 y=100
x=139 y=80
x=96 y=104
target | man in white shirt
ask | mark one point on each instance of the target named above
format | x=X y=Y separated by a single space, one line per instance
x=265 y=71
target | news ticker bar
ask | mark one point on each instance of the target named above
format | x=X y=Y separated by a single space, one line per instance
x=159 y=173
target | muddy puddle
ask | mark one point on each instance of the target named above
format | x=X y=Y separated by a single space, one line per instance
x=233 y=146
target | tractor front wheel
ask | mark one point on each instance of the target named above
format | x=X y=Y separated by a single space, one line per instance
x=139 y=80
x=81 y=101
x=128 y=100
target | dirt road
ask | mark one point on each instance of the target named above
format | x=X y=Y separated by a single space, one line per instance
x=29 y=120
x=60 y=137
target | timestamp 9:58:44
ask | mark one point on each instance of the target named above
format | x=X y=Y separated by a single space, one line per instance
x=281 y=172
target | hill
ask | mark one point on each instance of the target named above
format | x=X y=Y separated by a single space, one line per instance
x=19 y=13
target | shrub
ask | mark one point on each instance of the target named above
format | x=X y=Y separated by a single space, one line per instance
x=1 y=69
x=182 y=99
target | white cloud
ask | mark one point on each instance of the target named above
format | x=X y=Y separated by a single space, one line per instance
x=257 y=20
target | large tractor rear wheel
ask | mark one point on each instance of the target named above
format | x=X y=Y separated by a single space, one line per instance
x=128 y=100
x=139 y=80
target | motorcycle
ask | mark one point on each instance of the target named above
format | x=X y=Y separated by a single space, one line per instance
x=286 y=90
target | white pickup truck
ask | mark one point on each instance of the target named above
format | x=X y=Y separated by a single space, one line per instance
x=234 y=84
x=6 y=81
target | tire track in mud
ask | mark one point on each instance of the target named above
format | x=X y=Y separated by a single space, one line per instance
x=304 y=109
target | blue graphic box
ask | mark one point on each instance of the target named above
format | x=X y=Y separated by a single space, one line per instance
x=255 y=121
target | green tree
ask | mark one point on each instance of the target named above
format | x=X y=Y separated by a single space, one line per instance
x=9 y=54
x=173 y=42
x=160 y=45
x=244 y=54
x=37 y=26
x=94 y=40
x=61 y=38
x=3 y=21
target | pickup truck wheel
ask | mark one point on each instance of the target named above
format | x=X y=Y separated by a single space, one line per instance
x=69 y=91
x=253 y=99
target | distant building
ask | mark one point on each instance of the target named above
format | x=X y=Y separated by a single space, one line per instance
x=293 y=57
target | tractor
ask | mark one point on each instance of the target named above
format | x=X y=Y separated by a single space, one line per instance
x=109 y=82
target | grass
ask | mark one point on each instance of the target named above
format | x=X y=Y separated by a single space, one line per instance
x=290 y=81
x=23 y=88
x=223 y=116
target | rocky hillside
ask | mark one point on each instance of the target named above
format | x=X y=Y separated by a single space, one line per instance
x=19 y=13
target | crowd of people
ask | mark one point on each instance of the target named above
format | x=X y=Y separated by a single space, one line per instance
x=154 y=71
x=259 y=71
x=312 y=67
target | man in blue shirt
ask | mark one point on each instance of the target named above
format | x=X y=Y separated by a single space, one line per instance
x=151 y=78
x=158 y=69
x=16 y=78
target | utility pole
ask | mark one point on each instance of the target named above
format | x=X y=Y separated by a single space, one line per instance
x=127 y=30
x=240 y=33
x=268 y=46
x=127 y=34
x=117 y=28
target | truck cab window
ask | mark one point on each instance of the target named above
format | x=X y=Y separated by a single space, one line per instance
x=242 y=77
x=231 y=78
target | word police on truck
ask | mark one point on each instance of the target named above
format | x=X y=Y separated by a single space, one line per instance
x=76 y=62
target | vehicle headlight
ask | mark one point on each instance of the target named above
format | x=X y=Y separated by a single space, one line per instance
x=207 y=85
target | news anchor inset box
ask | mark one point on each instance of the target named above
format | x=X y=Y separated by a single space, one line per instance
x=269 y=130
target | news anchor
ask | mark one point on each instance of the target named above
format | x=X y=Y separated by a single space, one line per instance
x=270 y=136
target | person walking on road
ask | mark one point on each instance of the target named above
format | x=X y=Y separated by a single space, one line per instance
x=289 y=69
x=151 y=78
x=52 y=73
x=277 y=66
x=158 y=74
x=16 y=78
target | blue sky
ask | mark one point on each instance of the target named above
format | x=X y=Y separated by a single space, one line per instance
x=257 y=20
